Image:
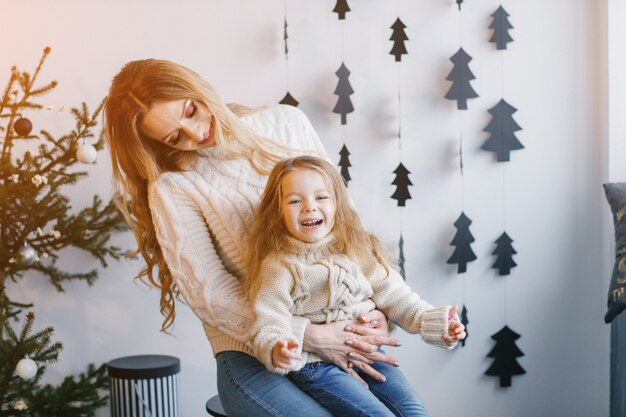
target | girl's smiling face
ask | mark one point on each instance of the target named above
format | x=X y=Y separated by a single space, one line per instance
x=181 y=124
x=307 y=205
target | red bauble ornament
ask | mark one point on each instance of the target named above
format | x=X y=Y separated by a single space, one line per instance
x=22 y=126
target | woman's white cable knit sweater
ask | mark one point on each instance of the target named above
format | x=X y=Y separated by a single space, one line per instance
x=200 y=217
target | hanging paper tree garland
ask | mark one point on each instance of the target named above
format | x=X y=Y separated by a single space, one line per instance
x=288 y=99
x=502 y=141
x=504 y=255
x=398 y=37
x=461 y=75
x=463 y=252
x=459 y=2
x=343 y=91
x=505 y=352
x=502 y=128
x=401 y=180
x=500 y=26
x=341 y=8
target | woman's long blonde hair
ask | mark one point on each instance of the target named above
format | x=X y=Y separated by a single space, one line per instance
x=268 y=234
x=138 y=160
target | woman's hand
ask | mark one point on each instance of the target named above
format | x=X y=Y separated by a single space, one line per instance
x=333 y=343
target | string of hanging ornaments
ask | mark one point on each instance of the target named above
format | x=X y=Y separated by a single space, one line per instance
x=401 y=179
x=288 y=98
x=461 y=90
x=501 y=142
x=343 y=91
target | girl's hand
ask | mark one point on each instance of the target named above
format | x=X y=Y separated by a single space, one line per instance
x=283 y=353
x=456 y=330
x=332 y=342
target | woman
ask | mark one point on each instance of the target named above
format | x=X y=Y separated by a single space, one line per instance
x=189 y=171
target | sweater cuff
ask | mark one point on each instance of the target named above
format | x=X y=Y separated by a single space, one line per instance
x=298 y=326
x=435 y=325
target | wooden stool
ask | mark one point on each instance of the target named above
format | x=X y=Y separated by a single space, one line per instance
x=214 y=407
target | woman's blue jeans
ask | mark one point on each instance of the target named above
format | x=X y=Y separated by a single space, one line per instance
x=345 y=396
x=248 y=389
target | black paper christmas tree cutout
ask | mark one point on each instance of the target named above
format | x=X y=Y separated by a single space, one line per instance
x=459 y=2
x=461 y=75
x=504 y=255
x=465 y=322
x=402 y=182
x=344 y=163
x=463 y=252
x=500 y=26
x=401 y=257
x=505 y=352
x=502 y=128
x=285 y=37
x=343 y=91
x=398 y=36
x=341 y=8
x=288 y=99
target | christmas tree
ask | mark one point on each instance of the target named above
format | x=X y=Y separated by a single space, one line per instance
x=36 y=222
x=501 y=27
x=344 y=163
x=465 y=322
x=341 y=8
x=505 y=352
x=398 y=37
x=502 y=128
x=504 y=252
x=343 y=91
x=463 y=252
x=402 y=183
x=461 y=75
x=401 y=258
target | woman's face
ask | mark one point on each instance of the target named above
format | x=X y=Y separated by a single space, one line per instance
x=181 y=124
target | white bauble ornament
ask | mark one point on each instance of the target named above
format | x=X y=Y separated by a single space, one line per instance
x=26 y=368
x=26 y=256
x=86 y=154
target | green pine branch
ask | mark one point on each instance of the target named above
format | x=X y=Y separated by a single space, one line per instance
x=76 y=396
x=34 y=211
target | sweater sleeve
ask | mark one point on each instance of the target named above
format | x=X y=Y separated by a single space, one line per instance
x=272 y=304
x=405 y=307
x=215 y=296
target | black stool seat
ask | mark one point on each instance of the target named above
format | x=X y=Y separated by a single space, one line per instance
x=214 y=407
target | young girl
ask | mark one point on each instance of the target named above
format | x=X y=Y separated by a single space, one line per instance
x=308 y=255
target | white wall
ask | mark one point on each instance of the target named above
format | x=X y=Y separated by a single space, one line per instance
x=548 y=197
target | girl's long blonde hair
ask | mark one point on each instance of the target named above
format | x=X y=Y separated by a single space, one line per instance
x=268 y=233
x=138 y=160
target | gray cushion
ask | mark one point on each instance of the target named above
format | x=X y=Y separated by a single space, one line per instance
x=616 y=196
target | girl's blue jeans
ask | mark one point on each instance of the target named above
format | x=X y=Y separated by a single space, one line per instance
x=248 y=389
x=345 y=396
